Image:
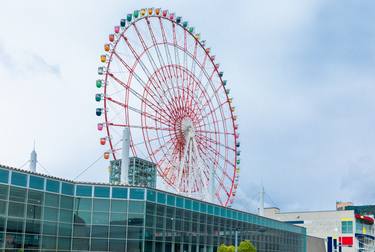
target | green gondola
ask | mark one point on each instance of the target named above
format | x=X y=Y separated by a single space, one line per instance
x=99 y=111
x=99 y=83
x=136 y=13
x=123 y=22
x=224 y=82
x=129 y=17
x=98 y=97
x=185 y=24
x=178 y=20
x=191 y=29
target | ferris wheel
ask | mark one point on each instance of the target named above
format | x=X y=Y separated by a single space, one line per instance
x=160 y=80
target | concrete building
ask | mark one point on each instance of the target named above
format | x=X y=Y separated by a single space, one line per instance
x=343 y=231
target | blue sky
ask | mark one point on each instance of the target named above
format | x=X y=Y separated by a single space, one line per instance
x=301 y=74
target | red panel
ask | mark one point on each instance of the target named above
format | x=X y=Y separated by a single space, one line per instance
x=346 y=240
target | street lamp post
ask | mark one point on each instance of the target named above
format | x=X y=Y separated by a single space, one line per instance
x=236 y=240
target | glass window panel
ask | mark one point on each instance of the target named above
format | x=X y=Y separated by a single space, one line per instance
x=3 y=207
x=66 y=216
x=119 y=193
x=17 y=194
x=4 y=189
x=35 y=197
x=82 y=217
x=99 y=231
x=171 y=200
x=135 y=233
x=48 y=242
x=118 y=219
x=99 y=245
x=81 y=244
x=36 y=182
x=19 y=179
x=83 y=204
x=203 y=207
x=32 y=242
x=101 y=205
x=50 y=213
x=161 y=197
x=100 y=218
x=33 y=226
x=51 y=200
x=136 y=207
x=82 y=190
x=81 y=230
x=196 y=206
x=187 y=204
x=117 y=232
x=119 y=205
x=101 y=191
x=210 y=209
x=179 y=202
x=14 y=241
x=151 y=195
x=15 y=225
x=53 y=186
x=4 y=176
x=66 y=202
x=2 y=225
x=34 y=211
x=63 y=244
x=49 y=228
x=65 y=229
x=135 y=219
x=136 y=193
x=16 y=209
x=116 y=245
x=67 y=188
x=135 y=246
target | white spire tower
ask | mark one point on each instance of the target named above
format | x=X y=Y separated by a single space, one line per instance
x=261 y=202
x=33 y=160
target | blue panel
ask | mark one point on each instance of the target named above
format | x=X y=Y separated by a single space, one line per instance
x=19 y=179
x=137 y=193
x=119 y=193
x=101 y=191
x=203 y=207
x=151 y=195
x=161 y=198
x=36 y=182
x=210 y=209
x=67 y=189
x=53 y=186
x=82 y=190
x=180 y=202
x=295 y=222
x=4 y=176
x=329 y=244
x=188 y=204
x=196 y=206
x=171 y=200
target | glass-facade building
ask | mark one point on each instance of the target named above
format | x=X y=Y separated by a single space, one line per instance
x=42 y=213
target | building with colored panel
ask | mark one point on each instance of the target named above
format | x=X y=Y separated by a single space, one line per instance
x=43 y=213
x=343 y=230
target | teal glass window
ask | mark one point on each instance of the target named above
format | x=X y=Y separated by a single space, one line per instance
x=171 y=200
x=100 y=218
x=119 y=193
x=101 y=191
x=210 y=209
x=179 y=202
x=101 y=205
x=203 y=207
x=82 y=190
x=36 y=182
x=347 y=227
x=4 y=176
x=136 y=207
x=17 y=194
x=196 y=206
x=66 y=202
x=19 y=179
x=161 y=198
x=83 y=204
x=136 y=193
x=151 y=195
x=188 y=204
x=35 y=197
x=217 y=211
x=53 y=186
x=67 y=189
x=119 y=206
x=51 y=199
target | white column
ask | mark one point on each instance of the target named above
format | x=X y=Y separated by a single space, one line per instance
x=125 y=156
x=33 y=160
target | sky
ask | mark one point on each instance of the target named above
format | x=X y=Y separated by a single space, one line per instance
x=302 y=75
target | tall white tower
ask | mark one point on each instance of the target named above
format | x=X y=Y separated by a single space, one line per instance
x=261 y=202
x=33 y=160
x=125 y=156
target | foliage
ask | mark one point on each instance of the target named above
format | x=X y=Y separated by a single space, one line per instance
x=231 y=248
x=246 y=246
x=222 y=248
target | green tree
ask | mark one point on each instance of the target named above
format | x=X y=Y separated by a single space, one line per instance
x=246 y=246
x=231 y=248
x=222 y=248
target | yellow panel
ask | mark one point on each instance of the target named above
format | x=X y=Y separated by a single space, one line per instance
x=346 y=219
x=364 y=230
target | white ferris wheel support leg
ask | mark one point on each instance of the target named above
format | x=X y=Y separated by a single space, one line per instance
x=182 y=162
x=125 y=156
x=205 y=191
x=191 y=175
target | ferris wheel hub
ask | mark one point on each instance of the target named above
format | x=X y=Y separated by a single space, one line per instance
x=187 y=127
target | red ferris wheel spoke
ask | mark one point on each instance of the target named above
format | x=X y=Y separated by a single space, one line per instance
x=139 y=127
x=215 y=132
x=205 y=138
